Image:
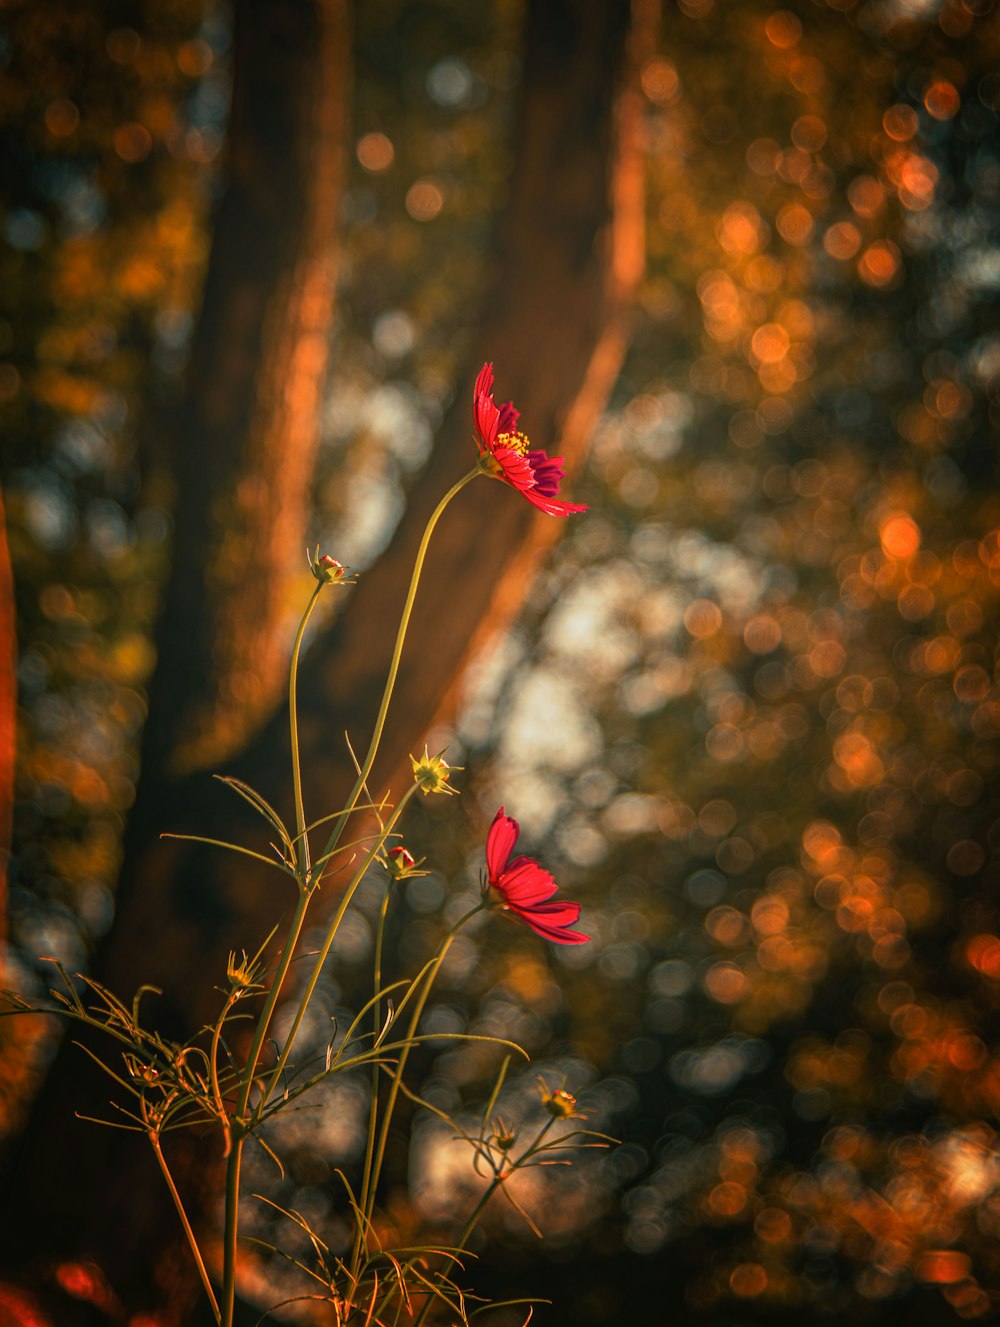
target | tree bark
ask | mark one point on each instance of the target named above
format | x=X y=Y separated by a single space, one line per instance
x=243 y=447
x=241 y=451
x=555 y=321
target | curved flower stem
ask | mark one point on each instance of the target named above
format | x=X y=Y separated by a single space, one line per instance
x=368 y=1197
x=324 y=951
x=231 y=1230
x=498 y=1179
x=390 y=683
x=213 y=1064
x=302 y=839
x=264 y=1022
x=302 y=869
x=206 y=1282
x=377 y=984
x=495 y=1184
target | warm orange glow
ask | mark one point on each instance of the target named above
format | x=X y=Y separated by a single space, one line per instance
x=702 y=618
x=424 y=200
x=133 y=142
x=726 y=983
x=748 y=1280
x=660 y=82
x=783 y=29
x=879 y=263
x=900 y=123
x=899 y=535
x=942 y=100
x=943 y=1265
x=842 y=240
x=375 y=152
x=795 y=223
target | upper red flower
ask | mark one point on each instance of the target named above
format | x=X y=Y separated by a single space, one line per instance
x=533 y=473
x=524 y=886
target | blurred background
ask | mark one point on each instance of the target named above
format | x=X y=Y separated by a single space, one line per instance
x=739 y=263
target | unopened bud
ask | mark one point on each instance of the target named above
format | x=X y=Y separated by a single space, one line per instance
x=503 y=1135
x=240 y=973
x=559 y=1103
x=401 y=864
x=327 y=570
x=431 y=774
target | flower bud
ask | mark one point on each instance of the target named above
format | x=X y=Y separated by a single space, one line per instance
x=327 y=570
x=504 y=1136
x=241 y=973
x=431 y=774
x=401 y=864
x=560 y=1103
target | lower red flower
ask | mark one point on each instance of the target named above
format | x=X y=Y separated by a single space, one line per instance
x=507 y=454
x=525 y=888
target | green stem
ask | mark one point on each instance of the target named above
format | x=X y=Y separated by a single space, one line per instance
x=495 y=1183
x=302 y=840
x=302 y=870
x=368 y=1197
x=264 y=1022
x=397 y=653
x=376 y=1070
x=231 y=1228
x=213 y=1061
x=485 y=1197
x=324 y=951
x=188 y=1232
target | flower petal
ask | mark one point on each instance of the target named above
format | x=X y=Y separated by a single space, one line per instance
x=500 y=844
x=559 y=935
x=559 y=912
x=548 y=472
x=508 y=418
x=484 y=381
x=524 y=883
x=552 y=506
x=515 y=468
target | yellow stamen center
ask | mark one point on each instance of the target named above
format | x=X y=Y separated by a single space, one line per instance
x=515 y=442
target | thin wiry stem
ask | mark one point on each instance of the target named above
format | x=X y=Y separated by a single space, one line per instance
x=498 y=1179
x=324 y=951
x=302 y=839
x=368 y=1197
x=154 y=1139
x=231 y=1229
x=397 y=653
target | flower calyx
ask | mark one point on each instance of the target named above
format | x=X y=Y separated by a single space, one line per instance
x=504 y=1135
x=402 y=865
x=432 y=774
x=560 y=1103
x=327 y=570
x=241 y=974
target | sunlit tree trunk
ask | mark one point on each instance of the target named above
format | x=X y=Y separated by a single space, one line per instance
x=241 y=454
x=555 y=321
x=243 y=445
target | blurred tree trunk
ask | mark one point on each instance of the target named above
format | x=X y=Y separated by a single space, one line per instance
x=243 y=446
x=241 y=452
x=555 y=321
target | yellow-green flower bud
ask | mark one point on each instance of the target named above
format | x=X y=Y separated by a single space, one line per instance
x=560 y=1103
x=431 y=774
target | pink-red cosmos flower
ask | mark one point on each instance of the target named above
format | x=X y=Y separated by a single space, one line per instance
x=527 y=889
x=509 y=454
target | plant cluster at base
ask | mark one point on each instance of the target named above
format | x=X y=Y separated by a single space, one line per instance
x=236 y=1082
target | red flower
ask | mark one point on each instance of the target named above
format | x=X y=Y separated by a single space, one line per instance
x=524 y=886
x=507 y=454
